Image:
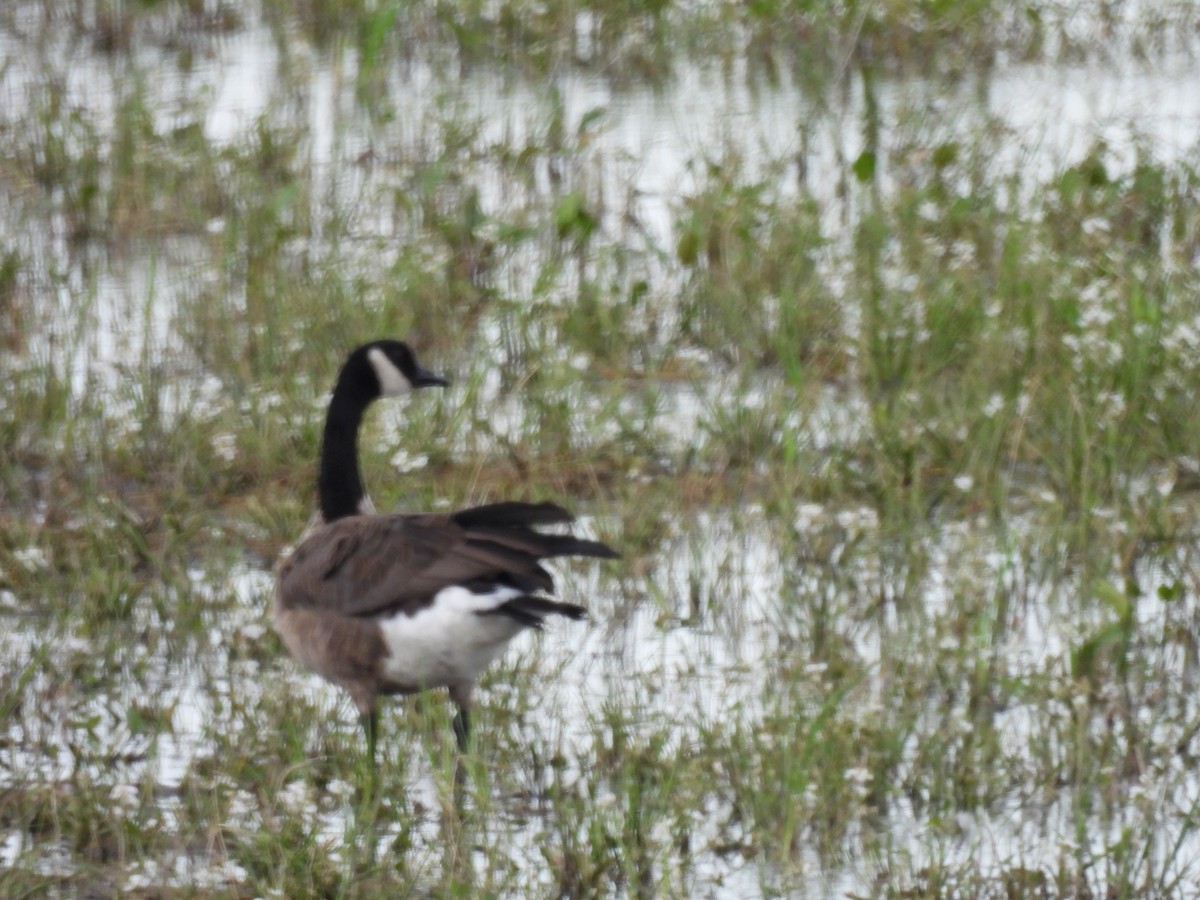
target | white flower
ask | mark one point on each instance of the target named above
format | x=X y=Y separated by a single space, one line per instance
x=858 y=520
x=32 y=558
x=1114 y=351
x=124 y=797
x=962 y=252
x=1164 y=482
x=807 y=515
x=253 y=631
x=1112 y=404
x=1091 y=295
x=859 y=774
x=225 y=446
x=605 y=800
x=146 y=877
x=859 y=778
x=270 y=400
x=409 y=462
x=296 y=797
x=241 y=805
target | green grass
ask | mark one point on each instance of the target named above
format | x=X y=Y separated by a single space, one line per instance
x=899 y=450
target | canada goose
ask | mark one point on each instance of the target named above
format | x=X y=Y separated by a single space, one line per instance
x=395 y=604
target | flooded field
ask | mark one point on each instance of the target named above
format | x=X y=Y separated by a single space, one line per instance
x=870 y=337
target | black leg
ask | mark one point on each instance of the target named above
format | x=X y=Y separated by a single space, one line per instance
x=368 y=792
x=460 y=694
x=462 y=728
x=370 y=724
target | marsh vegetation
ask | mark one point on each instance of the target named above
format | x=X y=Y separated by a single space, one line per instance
x=868 y=332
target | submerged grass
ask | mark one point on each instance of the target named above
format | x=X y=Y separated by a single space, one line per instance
x=904 y=472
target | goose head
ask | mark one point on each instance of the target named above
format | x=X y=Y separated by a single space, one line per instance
x=386 y=368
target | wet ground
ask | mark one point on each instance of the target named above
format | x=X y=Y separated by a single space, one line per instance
x=736 y=620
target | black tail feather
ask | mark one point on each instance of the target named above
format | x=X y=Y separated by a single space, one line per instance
x=543 y=606
x=518 y=615
x=536 y=579
x=512 y=561
x=510 y=513
x=539 y=545
x=569 y=545
x=531 y=610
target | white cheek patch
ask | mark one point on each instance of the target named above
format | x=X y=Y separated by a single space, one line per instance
x=392 y=382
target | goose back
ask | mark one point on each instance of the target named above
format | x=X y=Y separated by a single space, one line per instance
x=372 y=566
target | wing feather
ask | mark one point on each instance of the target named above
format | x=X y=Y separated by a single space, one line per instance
x=371 y=565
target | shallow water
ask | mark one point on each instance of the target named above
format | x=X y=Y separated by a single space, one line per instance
x=647 y=149
x=700 y=636
x=697 y=640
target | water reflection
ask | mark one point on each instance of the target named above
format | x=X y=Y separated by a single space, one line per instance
x=731 y=617
x=642 y=149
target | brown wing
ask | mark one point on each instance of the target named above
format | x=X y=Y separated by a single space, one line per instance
x=367 y=565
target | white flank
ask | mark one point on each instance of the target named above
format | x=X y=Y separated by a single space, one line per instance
x=447 y=642
x=392 y=382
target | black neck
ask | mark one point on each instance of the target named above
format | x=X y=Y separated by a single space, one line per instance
x=340 y=484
